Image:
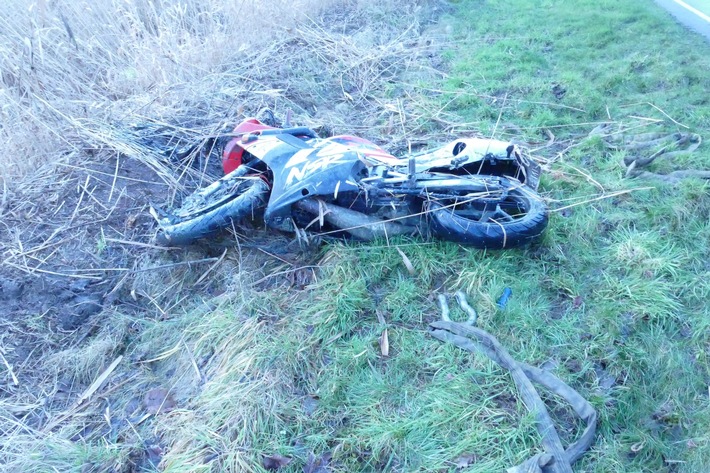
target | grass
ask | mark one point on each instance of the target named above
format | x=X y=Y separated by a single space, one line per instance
x=317 y=384
x=613 y=299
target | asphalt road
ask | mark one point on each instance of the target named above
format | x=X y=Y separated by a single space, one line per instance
x=695 y=14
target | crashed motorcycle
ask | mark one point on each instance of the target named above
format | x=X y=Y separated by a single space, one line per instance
x=473 y=191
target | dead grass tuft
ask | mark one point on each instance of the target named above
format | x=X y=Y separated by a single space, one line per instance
x=81 y=364
x=63 y=63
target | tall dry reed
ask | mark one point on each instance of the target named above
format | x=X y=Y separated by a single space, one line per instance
x=67 y=64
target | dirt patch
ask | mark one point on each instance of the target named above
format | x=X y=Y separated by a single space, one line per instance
x=82 y=244
x=59 y=268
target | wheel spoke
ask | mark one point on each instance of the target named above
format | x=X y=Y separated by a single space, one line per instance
x=471 y=213
x=503 y=214
x=486 y=216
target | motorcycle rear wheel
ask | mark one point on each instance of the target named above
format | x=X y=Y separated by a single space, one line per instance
x=214 y=208
x=515 y=217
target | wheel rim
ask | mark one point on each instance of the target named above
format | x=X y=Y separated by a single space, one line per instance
x=509 y=210
x=498 y=206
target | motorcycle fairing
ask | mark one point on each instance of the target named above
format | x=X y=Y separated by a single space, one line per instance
x=370 y=151
x=305 y=168
x=233 y=150
x=482 y=156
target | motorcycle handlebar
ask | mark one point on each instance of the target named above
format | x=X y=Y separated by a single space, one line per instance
x=295 y=131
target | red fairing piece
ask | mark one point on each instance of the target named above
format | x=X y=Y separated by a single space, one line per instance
x=233 y=151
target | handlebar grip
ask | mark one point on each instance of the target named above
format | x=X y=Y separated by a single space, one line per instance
x=295 y=131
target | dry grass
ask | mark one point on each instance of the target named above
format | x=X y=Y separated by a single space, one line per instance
x=70 y=72
x=65 y=66
x=62 y=62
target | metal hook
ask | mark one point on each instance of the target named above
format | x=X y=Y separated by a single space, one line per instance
x=463 y=303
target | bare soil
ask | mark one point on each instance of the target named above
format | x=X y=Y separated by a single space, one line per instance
x=61 y=270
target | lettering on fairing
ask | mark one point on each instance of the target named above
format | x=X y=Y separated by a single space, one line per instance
x=298 y=173
x=298 y=158
x=319 y=150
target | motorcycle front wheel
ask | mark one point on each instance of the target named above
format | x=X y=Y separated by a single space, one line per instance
x=207 y=211
x=507 y=215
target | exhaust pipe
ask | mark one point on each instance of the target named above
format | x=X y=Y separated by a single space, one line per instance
x=359 y=225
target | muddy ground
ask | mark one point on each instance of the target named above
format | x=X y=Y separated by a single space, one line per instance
x=80 y=269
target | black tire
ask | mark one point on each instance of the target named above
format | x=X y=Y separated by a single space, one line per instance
x=214 y=208
x=510 y=216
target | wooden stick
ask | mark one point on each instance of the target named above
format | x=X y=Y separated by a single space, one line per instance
x=209 y=270
x=601 y=197
x=135 y=243
x=78 y=407
x=115 y=176
x=281 y=273
x=99 y=381
x=81 y=198
x=668 y=116
x=29 y=270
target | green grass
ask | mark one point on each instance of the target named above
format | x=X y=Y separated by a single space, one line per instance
x=317 y=383
x=605 y=55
